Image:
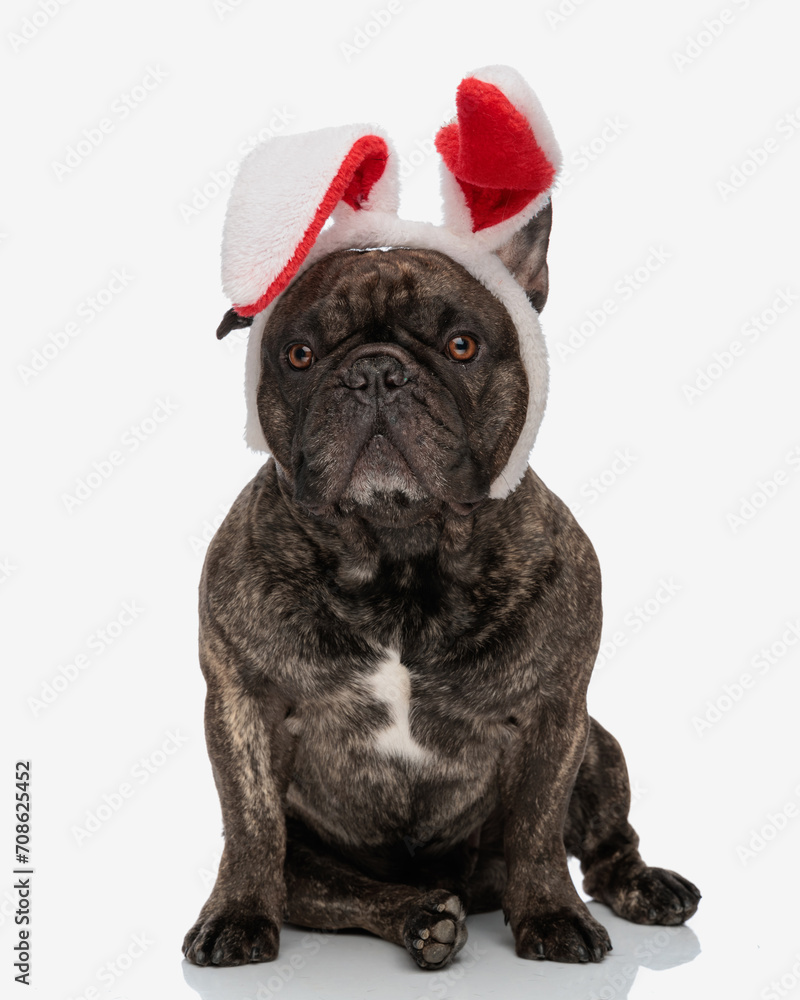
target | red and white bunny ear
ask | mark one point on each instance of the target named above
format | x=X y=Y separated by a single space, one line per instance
x=500 y=156
x=285 y=190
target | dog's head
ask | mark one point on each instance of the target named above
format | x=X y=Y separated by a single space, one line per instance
x=397 y=368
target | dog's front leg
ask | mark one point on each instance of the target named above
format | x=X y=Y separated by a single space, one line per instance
x=251 y=759
x=548 y=918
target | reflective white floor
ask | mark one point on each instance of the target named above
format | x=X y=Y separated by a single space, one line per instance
x=736 y=946
x=355 y=966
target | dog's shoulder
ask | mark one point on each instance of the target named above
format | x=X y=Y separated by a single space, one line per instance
x=551 y=556
x=256 y=547
x=539 y=532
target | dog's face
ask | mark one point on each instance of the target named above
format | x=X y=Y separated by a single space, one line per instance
x=391 y=386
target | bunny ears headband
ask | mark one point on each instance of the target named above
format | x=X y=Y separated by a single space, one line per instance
x=499 y=162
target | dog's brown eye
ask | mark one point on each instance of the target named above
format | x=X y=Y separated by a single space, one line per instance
x=462 y=348
x=300 y=356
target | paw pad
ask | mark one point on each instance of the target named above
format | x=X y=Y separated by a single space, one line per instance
x=435 y=929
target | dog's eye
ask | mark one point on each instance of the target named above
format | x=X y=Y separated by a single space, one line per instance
x=462 y=348
x=300 y=356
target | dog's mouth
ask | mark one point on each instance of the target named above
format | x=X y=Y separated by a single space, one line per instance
x=384 y=486
x=381 y=472
x=382 y=449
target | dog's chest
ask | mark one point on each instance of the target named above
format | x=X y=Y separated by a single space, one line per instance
x=400 y=725
x=418 y=693
x=392 y=721
x=385 y=758
x=390 y=686
x=382 y=712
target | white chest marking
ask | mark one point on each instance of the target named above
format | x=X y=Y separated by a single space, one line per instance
x=391 y=685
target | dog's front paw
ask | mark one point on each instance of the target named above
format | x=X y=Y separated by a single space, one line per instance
x=653 y=896
x=562 y=935
x=229 y=938
x=435 y=931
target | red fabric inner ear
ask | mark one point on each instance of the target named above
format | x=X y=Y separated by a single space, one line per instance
x=367 y=172
x=360 y=169
x=493 y=154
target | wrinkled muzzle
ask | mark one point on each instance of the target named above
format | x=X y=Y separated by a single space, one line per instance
x=378 y=427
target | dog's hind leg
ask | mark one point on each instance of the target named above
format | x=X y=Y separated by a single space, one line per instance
x=487 y=883
x=326 y=892
x=598 y=833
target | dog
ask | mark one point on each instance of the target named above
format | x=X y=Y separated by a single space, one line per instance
x=398 y=620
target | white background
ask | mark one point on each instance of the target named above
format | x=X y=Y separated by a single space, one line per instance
x=684 y=124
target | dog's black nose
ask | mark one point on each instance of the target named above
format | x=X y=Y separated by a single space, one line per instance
x=377 y=377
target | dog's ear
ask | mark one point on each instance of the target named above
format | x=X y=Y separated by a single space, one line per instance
x=285 y=191
x=232 y=321
x=499 y=163
x=525 y=256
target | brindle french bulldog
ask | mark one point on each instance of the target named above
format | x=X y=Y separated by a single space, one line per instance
x=396 y=664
